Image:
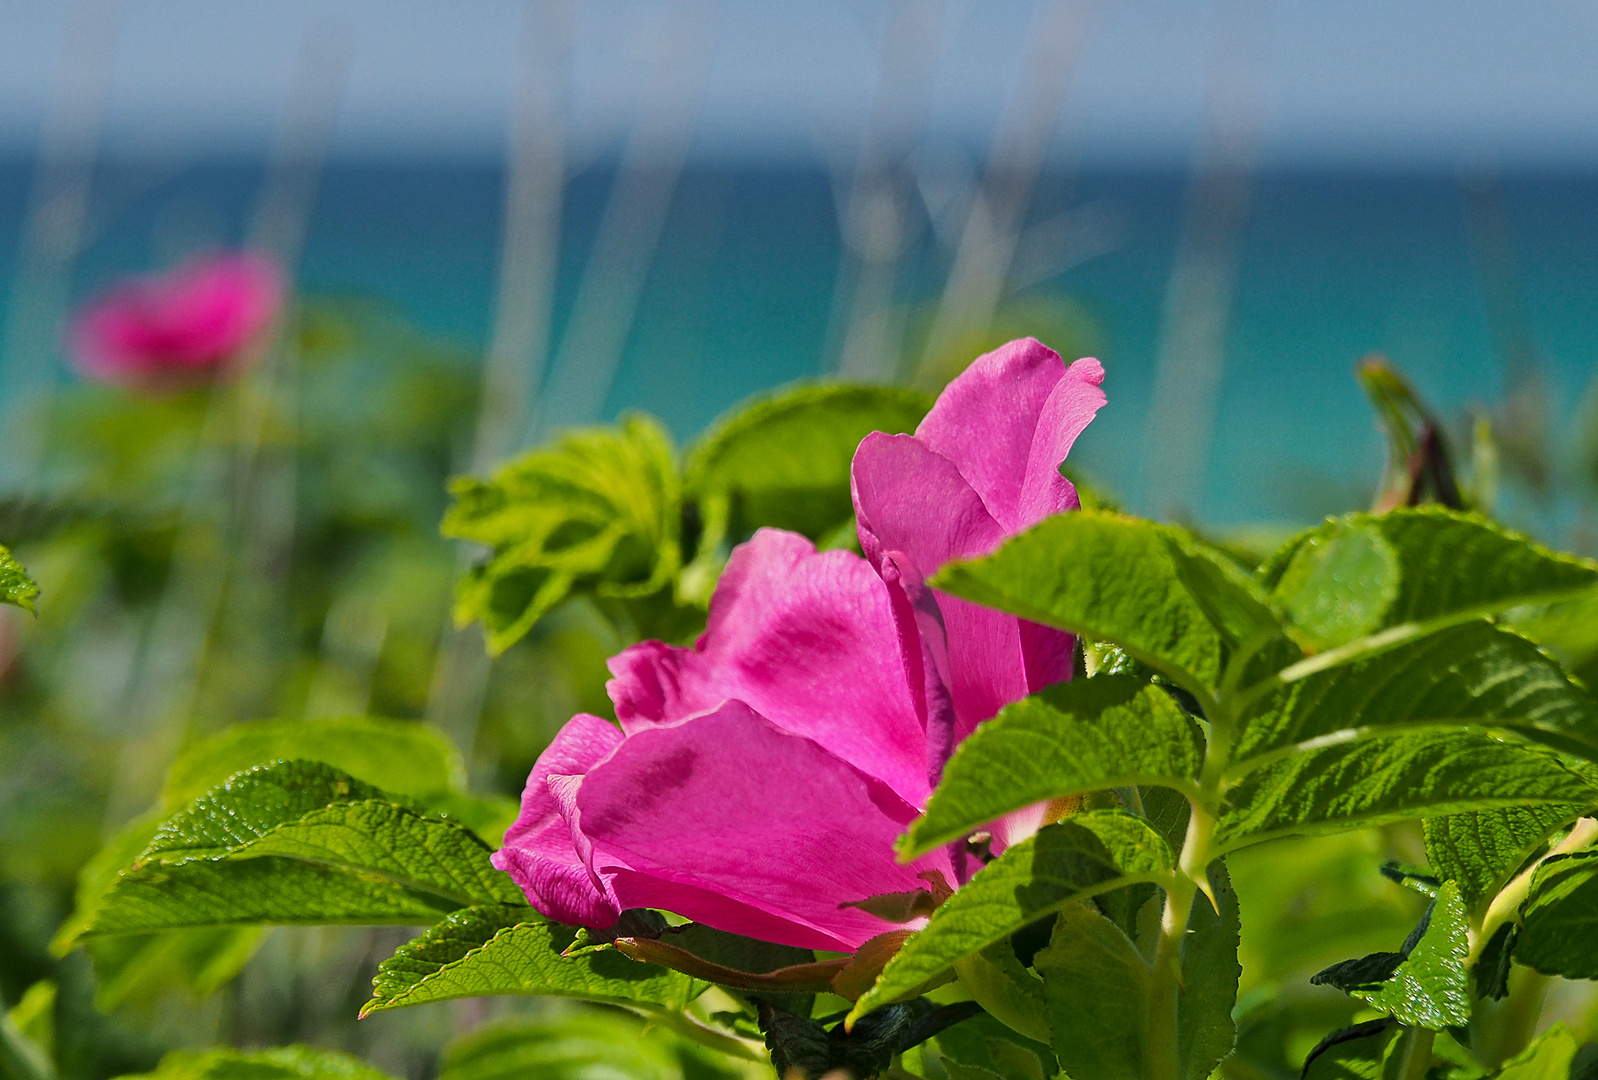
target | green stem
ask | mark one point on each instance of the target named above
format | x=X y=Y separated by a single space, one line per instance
x=1505 y=907
x=1165 y=983
x=1500 y=1030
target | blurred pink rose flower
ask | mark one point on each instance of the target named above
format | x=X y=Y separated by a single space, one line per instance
x=178 y=328
x=757 y=781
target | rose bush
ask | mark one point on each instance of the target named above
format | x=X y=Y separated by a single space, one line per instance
x=757 y=781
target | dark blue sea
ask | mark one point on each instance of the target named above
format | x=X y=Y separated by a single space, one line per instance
x=1332 y=266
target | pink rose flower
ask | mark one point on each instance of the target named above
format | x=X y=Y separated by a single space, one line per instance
x=758 y=780
x=183 y=327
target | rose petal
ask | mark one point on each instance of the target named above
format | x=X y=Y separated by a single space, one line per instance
x=729 y=820
x=539 y=853
x=1007 y=423
x=912 y=502
x=808 y=641
x=185 y=322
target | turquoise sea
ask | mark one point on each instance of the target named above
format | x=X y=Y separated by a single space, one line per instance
x=1332 y=266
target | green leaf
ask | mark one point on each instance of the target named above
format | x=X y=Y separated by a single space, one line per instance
x=508 y=949
x=1393 y=777
x=1098 y=987
x=1430 y=988
x=1482 y=850
x=399 y=756
x=1339 y=583
x=576 y=1044
x=278 y=1063
x=133 y=967
x=16 y=587
x=1088 y=854
x=1559 y=915
x=1353 y=1053
x=1549 y=1057
x=1451 y=565
x=599 y=511
x=984 y=1045
x=1211 y=971
x=21 y=1057
x=1473 y=673
x=299 y=843
x=1148 y=588
x=1109 y=731
x=784 y=459
x=1007 y=991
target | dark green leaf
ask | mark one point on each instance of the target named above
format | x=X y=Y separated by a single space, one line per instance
x=599 y=511
x=297 y=843
x=1430 y=988
x=1490 y=977
x=1473 y=673
x=1338 y=583
x=1110 y=731
x=1391 y=778
x=278 y=1063
x=1120 y=580
x=1089 y=854
x=16 y=587
x=784 y=459
x=1559 y=916
x=1364 y=973
x=1205 y=1029
x=1451 y=565
x=1353 y=1053
x=508 y=949
x=1484 y=849
x=1098 y=987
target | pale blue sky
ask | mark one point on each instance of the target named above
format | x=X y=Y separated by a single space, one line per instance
x=1423 y=82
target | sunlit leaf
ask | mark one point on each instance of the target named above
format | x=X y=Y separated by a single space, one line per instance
x=1110 y=731
x=1391 y=778
x=1473 y=673
x=1429 y=985
x=510 y=949
x=783 y=460
x=1088 y=854
x=1339 y=583
x=1484 y=849
x=1451 y=565
x=1151 y=589
x=599 y=511
x=16 y=587
x=1549 y=1057
x=298 y=843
